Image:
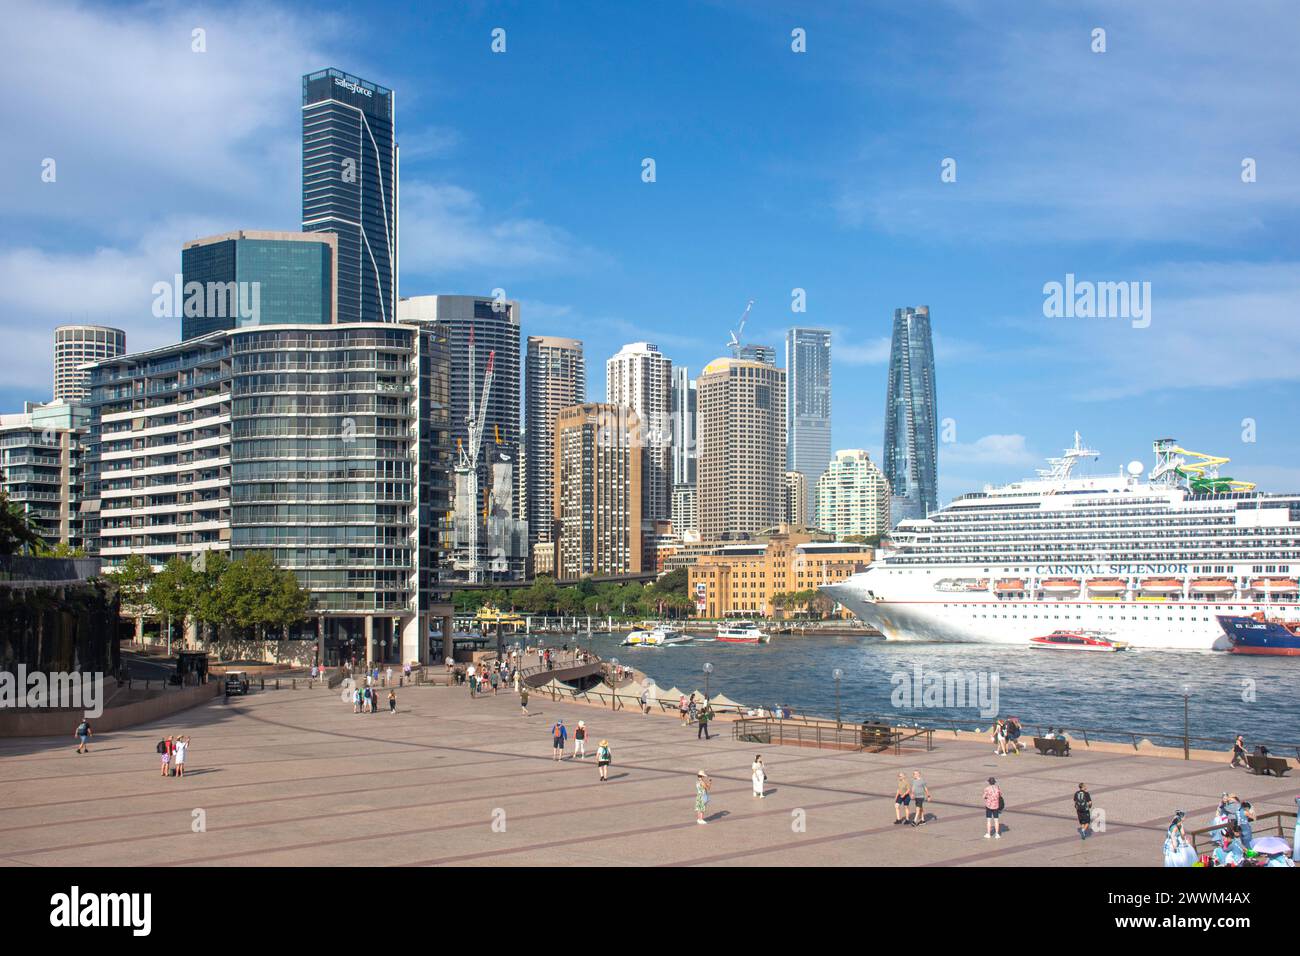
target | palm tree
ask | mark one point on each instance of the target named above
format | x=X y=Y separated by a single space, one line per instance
x=18 y=533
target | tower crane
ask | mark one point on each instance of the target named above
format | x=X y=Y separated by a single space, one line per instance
x=737 y=343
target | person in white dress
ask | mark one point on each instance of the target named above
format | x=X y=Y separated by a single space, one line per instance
x=758 y=773
x=182 y=748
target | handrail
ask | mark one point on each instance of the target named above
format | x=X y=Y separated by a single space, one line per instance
x=1258 y=828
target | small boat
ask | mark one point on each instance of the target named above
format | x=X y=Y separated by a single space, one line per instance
x=1162 y=585
x=1060 y=586
x=1009 y=585
x=658 y=636
x=741 y=632
x=1213 y=585
x=1260 y=635
x=1107 y=585
x=1077 y=641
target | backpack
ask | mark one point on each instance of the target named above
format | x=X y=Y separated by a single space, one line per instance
x=162 y=747
x=82 y=729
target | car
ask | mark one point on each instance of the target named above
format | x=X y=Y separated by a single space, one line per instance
x=236 y=683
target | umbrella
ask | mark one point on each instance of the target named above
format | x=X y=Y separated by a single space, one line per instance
x=1270 y=846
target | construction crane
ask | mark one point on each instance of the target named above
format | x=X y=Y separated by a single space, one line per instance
x=467 y=467
x=737 y=343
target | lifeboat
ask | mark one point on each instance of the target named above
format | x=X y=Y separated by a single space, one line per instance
x=1060 y=585
x=1162 y=585
x=1107 y=585
x=1214 y=585
x=1275 y=585
x=1006 y=585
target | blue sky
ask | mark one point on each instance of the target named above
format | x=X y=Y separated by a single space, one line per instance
x=775 y=170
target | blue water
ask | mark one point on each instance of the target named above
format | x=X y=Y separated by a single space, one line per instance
x=1131 y=691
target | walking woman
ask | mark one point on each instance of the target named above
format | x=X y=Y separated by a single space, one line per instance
x=758 y=774
x=1238 y=751
x=392 y=702
x=580 y=741
x=702 y=786
x=182 y=749
x=603 y=760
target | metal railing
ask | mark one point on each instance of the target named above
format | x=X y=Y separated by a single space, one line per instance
x=1272 y=823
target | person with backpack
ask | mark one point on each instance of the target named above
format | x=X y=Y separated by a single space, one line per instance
x=704 y=716
x=580 y=741
x=164 y=749
x=82 y=733
x=994 y=804
x=1083 y=810
x=559 y=735
x=603 y=760
x=523 y=700
x=1013 y=735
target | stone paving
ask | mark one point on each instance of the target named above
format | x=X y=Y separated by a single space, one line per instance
x=295 y=778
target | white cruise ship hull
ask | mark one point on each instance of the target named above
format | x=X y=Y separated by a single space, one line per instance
x=905 y=606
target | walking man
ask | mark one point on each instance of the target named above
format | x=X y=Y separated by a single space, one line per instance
x=920 y=794
x=559 y=736
x=902 y=799
x=704 y=717
x=1238 y=751
x=993 y=807
x=1083 y=809
x=82 y=734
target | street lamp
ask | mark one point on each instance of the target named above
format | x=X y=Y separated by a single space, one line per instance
x=708 y=669
x=1187 y=739
x=837 y=674
x=613 y=697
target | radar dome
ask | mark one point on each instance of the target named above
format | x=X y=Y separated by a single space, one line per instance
x=1136 y=468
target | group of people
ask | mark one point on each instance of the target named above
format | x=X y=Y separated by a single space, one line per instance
x=559 y=736
x=365 y=700
x=909 y=800
x=489 y=676
x=695 y=712
x=1232 y=839
x=1006 y=737
x=172 y=752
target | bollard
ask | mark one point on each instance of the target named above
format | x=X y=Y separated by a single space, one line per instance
x=277 y=683
x=295 y=683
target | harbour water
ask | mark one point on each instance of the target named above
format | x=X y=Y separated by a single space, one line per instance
x=1130 y=691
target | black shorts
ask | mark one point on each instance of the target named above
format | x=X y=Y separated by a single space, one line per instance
x=557 y=743
x=991 y=814
x=1085 y=816
x=905 y=799
x=919 y=801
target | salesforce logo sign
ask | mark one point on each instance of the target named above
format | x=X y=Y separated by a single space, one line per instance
x=351 y=87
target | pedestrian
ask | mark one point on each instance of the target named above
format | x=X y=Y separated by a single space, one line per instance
x=902 y=800
x=494 y=679
x=83 y=733
x=683 y=709
x=356 y=700
x=523 y=701
x=758 y=775
x=920 y=794
x=1238 y=751
x=994 y=804
x=603 y=760
x=1083 y=810
x=1013 y=735
x=693 y=710
x=165 y=754
x=313 y=672
x=645 y=701
x=580 y=740
x=702 y=786
x=1178 y=852
x=392 y=702
x=1246 y=823
x=559 y=736
x=704 y=717
x=181 y=750
x=1000 y=738
x=389 y=673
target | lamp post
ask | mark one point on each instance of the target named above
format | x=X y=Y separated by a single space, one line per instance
x=613 y=697
x=1187 y=739
x=708 y=669
x=837 y=674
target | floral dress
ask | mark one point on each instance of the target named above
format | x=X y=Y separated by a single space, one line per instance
x=701 y=797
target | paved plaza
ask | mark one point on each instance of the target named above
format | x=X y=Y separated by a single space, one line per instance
x=295 y=778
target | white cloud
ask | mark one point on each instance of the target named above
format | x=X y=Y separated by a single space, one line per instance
x=990 y=450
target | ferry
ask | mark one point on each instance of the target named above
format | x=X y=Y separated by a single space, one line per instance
x=658 y=636
x=1259 y=635
x=1156 y=556
x=741 y=632
x=1077 y=641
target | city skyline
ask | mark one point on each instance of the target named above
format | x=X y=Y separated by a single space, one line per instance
x=578 y=242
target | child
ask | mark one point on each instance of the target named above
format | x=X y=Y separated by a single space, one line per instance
x=603 y=759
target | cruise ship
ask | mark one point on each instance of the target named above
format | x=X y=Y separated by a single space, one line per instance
x=1153 y=561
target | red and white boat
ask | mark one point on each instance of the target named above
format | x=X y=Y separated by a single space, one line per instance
x=741 y=632
x=1077 y=641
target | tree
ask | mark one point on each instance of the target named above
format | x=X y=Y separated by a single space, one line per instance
x=133 y=580
x=18 y=533
x=61 y=549
x=256 y=593
x=211 y=608
x=174 y=591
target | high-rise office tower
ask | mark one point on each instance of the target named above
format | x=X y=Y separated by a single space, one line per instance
x=911 y=424
x=494 y=326
x=808 y=407
x=684 y=412
x=249 y=277
x=853 y=496
x=597 y=495
x=349 y=187
x=685 y=517
x=75 y=345
x=741 y=482
x=796 y=500
x=640 y=377
x=555 y=377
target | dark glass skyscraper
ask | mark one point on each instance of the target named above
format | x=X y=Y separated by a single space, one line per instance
x=808 y=407
x=911 y=423
x=349 y=187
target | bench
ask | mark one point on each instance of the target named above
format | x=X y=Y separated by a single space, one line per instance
x=878 y=737
x=1266 y=765
x=1050 y=745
